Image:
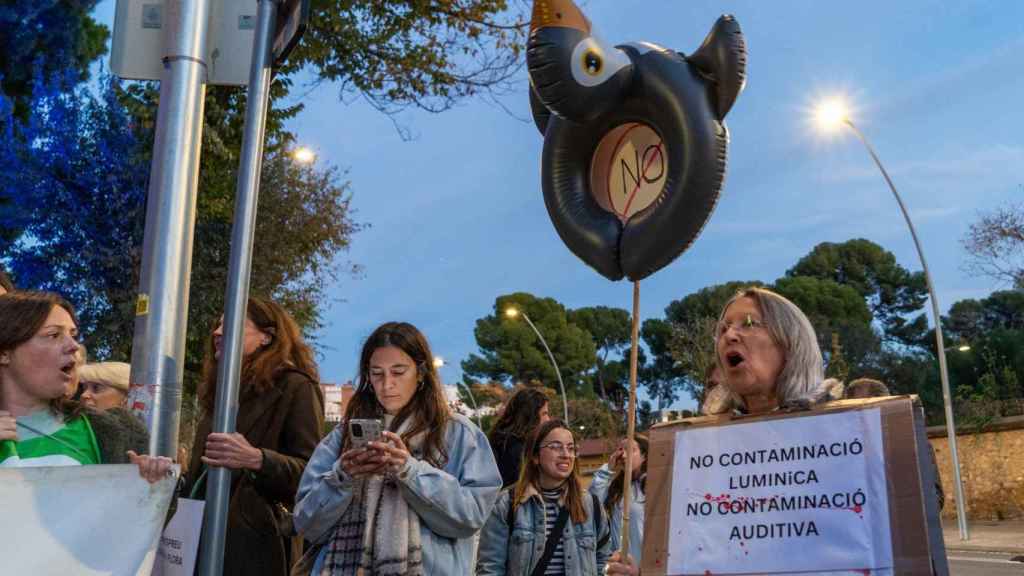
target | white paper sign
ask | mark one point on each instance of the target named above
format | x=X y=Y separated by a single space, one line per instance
x=784 y=496
x=179 y=544
x=81 y=520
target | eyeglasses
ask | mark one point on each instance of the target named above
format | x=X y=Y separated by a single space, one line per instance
x=560 y=448
x=747 y=326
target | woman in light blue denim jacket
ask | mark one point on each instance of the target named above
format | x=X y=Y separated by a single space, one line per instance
x=513 y=541
x=607 y=486
x=412 y=502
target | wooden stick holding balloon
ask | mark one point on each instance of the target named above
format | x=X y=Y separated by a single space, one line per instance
x=634 y=149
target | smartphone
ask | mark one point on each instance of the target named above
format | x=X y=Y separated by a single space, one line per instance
x=363 y=431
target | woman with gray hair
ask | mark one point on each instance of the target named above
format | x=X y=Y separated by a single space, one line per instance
x=768 y=353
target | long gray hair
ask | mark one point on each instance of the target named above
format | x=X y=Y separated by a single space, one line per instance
x=803 y=373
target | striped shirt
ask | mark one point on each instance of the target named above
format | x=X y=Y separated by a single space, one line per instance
x=556 y=567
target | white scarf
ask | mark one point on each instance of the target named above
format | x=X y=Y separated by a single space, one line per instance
x=391 y=544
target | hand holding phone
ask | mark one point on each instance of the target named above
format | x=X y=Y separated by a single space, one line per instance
x=362 y=431
x=360 y=460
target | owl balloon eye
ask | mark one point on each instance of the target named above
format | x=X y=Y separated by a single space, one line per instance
x=592 y=63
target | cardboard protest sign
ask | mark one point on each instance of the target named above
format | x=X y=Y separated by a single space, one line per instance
x=835 y=490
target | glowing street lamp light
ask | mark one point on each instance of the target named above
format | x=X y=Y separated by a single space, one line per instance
x=830 y=116
x=512 y=313
x=438 y=364
x=304 y=155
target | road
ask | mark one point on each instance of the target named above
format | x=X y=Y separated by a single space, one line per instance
x=983 y=564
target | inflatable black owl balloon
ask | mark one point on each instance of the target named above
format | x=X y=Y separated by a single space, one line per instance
x=634 y=140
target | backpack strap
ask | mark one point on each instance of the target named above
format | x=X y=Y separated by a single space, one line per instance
x=552 y=543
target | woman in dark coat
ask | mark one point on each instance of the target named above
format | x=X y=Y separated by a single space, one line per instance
x=279 y=423
x=524 y=411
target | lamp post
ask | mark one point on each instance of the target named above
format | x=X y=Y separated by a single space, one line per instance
x=438 y=364
x=833 y=114
x=512 y=313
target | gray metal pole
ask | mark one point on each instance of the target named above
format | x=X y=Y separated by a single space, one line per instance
x=961 y=514
x=161 y=314
x=218 y=488
x=476 y=410
x=561 y=385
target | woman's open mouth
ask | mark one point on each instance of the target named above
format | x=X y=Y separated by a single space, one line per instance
x=734 y=359
x=68 y=369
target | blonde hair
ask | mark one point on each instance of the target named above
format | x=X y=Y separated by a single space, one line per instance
x=113 y=374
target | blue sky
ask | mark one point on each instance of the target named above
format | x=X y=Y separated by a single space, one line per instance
x=457 y=216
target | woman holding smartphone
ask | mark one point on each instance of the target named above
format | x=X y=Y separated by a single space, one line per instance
x=409 y=502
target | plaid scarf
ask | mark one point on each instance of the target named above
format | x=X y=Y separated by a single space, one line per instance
x=378 y=534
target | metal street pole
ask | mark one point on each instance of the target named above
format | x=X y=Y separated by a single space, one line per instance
x=961 y=514
x=561 y=385
x=476 y=410
x=218 y=490
x=161 y=311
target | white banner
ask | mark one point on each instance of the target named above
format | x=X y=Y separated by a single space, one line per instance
x=81 y=520
x=785 y=496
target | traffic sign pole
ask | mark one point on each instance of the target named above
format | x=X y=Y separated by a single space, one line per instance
x=218 y=491
x=161 y=313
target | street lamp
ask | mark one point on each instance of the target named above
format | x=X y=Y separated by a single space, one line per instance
x=512 y=312
x=831 y=115
x=438 y=364
x=304 y=155
x=960 y=348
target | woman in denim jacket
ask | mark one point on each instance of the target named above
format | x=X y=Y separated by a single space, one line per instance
x=411 y=503
x=513 y=542
x=607 y=486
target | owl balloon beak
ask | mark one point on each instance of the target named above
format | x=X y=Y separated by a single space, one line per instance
x=558 y=13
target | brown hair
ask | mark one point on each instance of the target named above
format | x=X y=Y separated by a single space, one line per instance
x=286 y=350
x=521 y=413
x=5 y=281
x=22 y=314
x=865 y=388
x=615 y=488
x=529 y=473
x=428 y=407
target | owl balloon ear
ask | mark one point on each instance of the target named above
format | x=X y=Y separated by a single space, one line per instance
x=722 y=57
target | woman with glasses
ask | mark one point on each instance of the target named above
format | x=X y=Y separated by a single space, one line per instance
x=547 y=523
x=410 y=502
x=768 y=354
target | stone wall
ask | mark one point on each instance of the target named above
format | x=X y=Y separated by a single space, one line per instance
x=992 y=469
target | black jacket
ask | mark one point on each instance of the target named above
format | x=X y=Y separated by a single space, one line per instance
x=508 y=451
